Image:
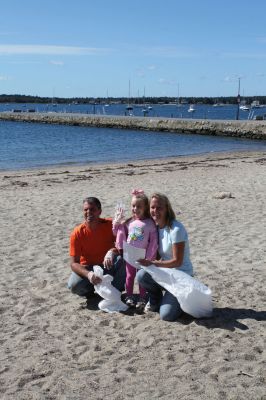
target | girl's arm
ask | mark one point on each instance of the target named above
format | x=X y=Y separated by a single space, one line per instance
x=175 y=262
x=121 y=236
x=115 y=228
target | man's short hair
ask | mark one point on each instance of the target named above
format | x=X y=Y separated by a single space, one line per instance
x=93 y=200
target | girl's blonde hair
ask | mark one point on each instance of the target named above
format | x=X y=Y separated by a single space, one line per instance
x=170 y=214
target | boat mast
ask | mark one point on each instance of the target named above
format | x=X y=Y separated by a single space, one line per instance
x=238 y=100
x=129 y=93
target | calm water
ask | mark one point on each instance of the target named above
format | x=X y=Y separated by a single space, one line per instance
x=169 y=111
x=30 y=145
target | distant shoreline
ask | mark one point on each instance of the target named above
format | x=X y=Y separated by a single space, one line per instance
x=230 y=128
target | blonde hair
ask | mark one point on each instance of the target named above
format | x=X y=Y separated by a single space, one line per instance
x=170 y=214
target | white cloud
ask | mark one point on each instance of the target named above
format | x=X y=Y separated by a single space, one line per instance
x=256 y=56
x=261 y=39
x=54 y=62
x=6 y=49
x=4 y=78
x=164 y=81
x=3 y=33
x=24 y=62
x=233 y=78
x=170 y=51
x=141 y=72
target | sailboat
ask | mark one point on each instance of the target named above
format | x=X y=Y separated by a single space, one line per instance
x=178 y=104
x=191 y=108
x=244 y=107
x=54 y=104
x=107 y=98
x=129 y=107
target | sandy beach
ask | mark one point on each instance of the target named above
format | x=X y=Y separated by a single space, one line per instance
x=55 y=346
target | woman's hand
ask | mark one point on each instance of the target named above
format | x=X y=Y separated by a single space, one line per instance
x=145 y=262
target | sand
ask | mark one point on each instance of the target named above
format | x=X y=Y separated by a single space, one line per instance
x=55 y=346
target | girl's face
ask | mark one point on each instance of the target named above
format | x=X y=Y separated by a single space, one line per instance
x=137 y=208
x=158 y=212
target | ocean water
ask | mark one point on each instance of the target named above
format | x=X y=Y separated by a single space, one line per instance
x=227 y=112
x=31 y=145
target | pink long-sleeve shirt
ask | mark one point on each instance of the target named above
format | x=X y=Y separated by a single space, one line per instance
x=140 y=233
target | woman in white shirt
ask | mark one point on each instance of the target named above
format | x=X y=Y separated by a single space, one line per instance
x=173 y=253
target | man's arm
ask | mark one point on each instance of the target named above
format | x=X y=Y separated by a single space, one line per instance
x=82 y=271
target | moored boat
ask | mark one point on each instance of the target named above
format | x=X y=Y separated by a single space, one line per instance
x=191 y=108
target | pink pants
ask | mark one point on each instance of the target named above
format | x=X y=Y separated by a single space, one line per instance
x=130 y=277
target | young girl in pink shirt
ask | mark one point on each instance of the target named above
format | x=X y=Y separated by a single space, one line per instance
x=139 y=231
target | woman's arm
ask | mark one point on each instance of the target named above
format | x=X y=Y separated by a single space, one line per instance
x=175 y=262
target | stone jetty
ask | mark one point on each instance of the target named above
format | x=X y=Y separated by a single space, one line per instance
x=243 y=129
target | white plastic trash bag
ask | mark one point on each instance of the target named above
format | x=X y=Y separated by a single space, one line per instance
x=112 y=297
x=194 y=297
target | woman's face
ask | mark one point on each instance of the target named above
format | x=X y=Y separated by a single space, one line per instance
x=158 y=212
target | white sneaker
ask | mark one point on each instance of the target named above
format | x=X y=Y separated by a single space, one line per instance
x=130 y=301
x=140 y=306
x=151 y=307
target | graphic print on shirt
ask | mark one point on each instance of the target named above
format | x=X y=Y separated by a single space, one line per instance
x=137 y=233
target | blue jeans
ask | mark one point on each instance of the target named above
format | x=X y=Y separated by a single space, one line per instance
x=83 y=287
x=168 y=305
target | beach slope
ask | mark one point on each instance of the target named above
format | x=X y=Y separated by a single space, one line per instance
x=55 y=346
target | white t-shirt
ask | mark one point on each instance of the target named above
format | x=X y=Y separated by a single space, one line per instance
x=176 y=234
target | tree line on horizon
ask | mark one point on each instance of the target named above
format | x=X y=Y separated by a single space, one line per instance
x=16 y=98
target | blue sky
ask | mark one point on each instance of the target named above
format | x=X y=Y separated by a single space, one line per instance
x=93 y=48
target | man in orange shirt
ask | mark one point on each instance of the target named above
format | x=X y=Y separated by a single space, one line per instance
x=92 y=243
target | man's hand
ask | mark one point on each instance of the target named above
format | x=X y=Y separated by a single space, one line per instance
x=108 y=259
x=94 y=279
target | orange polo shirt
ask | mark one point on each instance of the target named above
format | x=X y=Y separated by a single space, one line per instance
x=92 y=245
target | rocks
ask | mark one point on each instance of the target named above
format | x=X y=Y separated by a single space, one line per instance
x=223 y=195
x=246 y=129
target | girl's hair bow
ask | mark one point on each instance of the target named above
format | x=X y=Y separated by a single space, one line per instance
x=135 y=192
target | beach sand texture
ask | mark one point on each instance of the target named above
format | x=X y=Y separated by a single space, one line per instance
x=54 y=346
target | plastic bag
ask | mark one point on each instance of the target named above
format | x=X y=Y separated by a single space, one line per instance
x=112 y=297
x=193 y=296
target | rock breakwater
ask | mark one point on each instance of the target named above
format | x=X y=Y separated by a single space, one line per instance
x=244 y=129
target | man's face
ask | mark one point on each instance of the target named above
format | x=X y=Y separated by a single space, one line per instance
x=91 y=212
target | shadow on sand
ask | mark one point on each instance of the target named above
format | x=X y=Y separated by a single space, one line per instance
x=223 y=318
x=226 y=318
